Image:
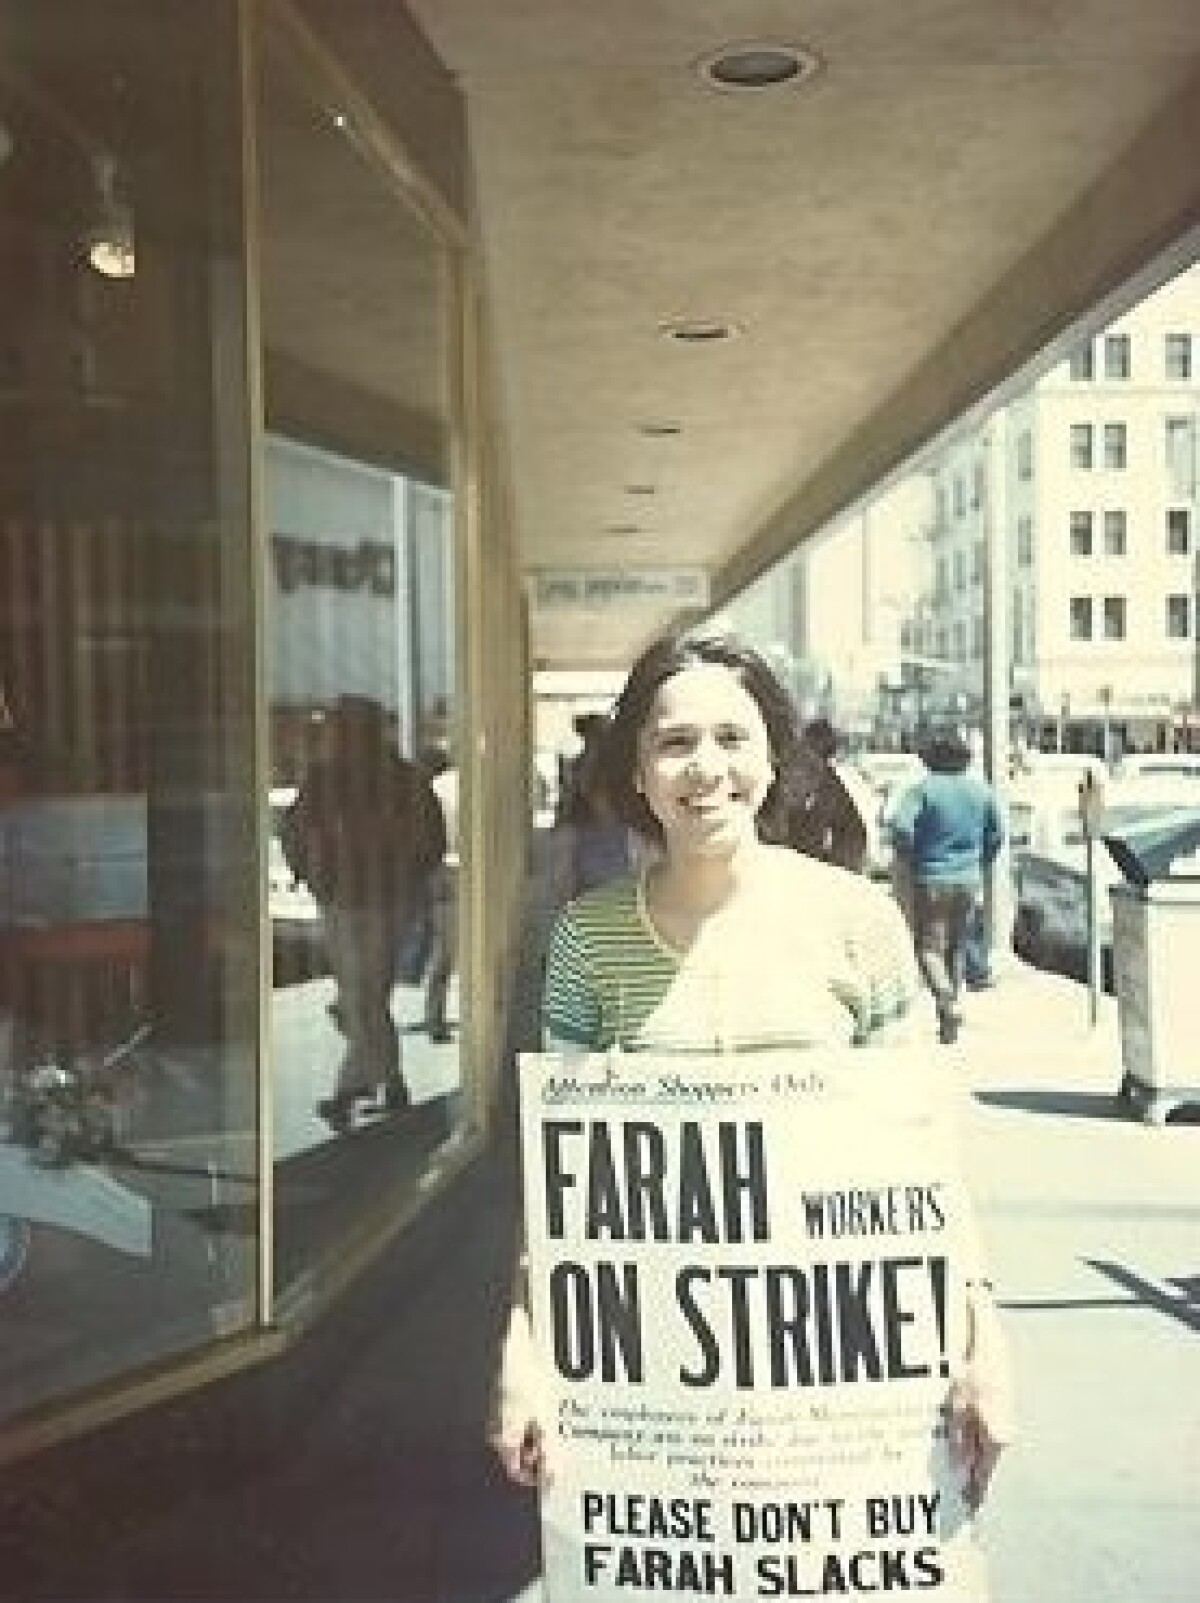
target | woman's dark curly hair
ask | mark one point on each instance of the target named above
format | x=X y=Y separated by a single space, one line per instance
x=662 y=661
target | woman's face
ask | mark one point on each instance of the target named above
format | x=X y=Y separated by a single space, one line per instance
x=704 y=761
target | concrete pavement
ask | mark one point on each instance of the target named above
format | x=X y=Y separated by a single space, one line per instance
x=1092 y=1224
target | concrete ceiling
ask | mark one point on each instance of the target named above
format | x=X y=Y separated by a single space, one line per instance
x=960 y=181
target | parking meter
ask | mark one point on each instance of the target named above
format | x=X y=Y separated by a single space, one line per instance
x=1091 y=814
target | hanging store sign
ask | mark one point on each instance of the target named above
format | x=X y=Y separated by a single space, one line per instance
x=599 y=588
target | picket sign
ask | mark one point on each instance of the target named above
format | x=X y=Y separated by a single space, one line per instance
x=746 y=1290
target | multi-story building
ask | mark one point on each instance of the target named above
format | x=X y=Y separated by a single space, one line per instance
x=1098 y=506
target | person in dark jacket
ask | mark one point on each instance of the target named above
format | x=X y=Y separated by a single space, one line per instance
x=947 y=828
x=820 y=816
x=591 y=844
x=365 y=832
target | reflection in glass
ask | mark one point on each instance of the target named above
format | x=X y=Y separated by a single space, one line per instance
x=128 y=931
x=361 y=692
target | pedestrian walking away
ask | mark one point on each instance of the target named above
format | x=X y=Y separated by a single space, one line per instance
x=947 y=830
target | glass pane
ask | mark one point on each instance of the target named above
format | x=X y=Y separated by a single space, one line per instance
x=361 y=689
x=128 y=928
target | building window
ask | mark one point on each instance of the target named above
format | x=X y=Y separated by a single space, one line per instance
x=977 y=639
x=1116 y=356
x=1082 y=364
x=939 y=504
x=1024 y=542
x=1018 y=634
x=1114 y=533
x=978 y=484
x=1181 y=457
x=1081 y=617
x=1081 y=445
x=960 y=497
x=960 y=571
x=1179 y=621
x=1177 y=356
x=977 y=562
x=941 y=587
x=1081 y=534
x=1179 y=532
x=1025 y=455
x=1115 y=446
x=1114 y=617
x=943 y=642
x=960 y=641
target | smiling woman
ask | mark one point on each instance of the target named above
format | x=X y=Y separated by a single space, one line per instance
x=715 y=943
x=726 y=943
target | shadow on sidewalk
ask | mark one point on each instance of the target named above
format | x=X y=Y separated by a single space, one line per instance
x=1072 y=1104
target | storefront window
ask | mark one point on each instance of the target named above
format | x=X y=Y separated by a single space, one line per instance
x=129 y=849
x=363 y=713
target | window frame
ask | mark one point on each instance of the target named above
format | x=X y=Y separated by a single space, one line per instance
x=1082 y=532
x=1177 y=341
x=1114 y=618
x=1082 y=446
x=1178 y=519
x=1118 y=357
x=1112 y=546
x=1081 y=363
x=1178 y=607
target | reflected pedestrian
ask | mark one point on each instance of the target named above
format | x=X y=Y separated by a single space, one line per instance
x=364 y=832
x=442 y=890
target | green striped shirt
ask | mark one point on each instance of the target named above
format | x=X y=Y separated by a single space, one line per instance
x=817 y=957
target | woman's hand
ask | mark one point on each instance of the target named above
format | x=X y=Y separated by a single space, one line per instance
x=517 y=1434
x=979 y=1409
x=521 y=1451
x=974 y=1444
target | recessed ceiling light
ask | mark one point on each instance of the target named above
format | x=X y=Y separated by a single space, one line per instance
x=759 y=65
x=698 y=330
x=641 y=489
x=655 y=430
x=622 y=529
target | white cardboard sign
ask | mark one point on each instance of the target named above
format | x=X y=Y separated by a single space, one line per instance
x=746 y=1290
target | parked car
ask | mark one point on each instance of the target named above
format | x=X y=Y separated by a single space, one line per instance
x=1161 y=765
x=1050 y=869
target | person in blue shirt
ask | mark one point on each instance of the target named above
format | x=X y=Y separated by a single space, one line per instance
x=947 y=828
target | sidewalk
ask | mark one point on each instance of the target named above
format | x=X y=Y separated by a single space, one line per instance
x=354 y=1470
x=1092 y=1223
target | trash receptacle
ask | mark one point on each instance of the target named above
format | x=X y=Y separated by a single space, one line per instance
x=1156 y=962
